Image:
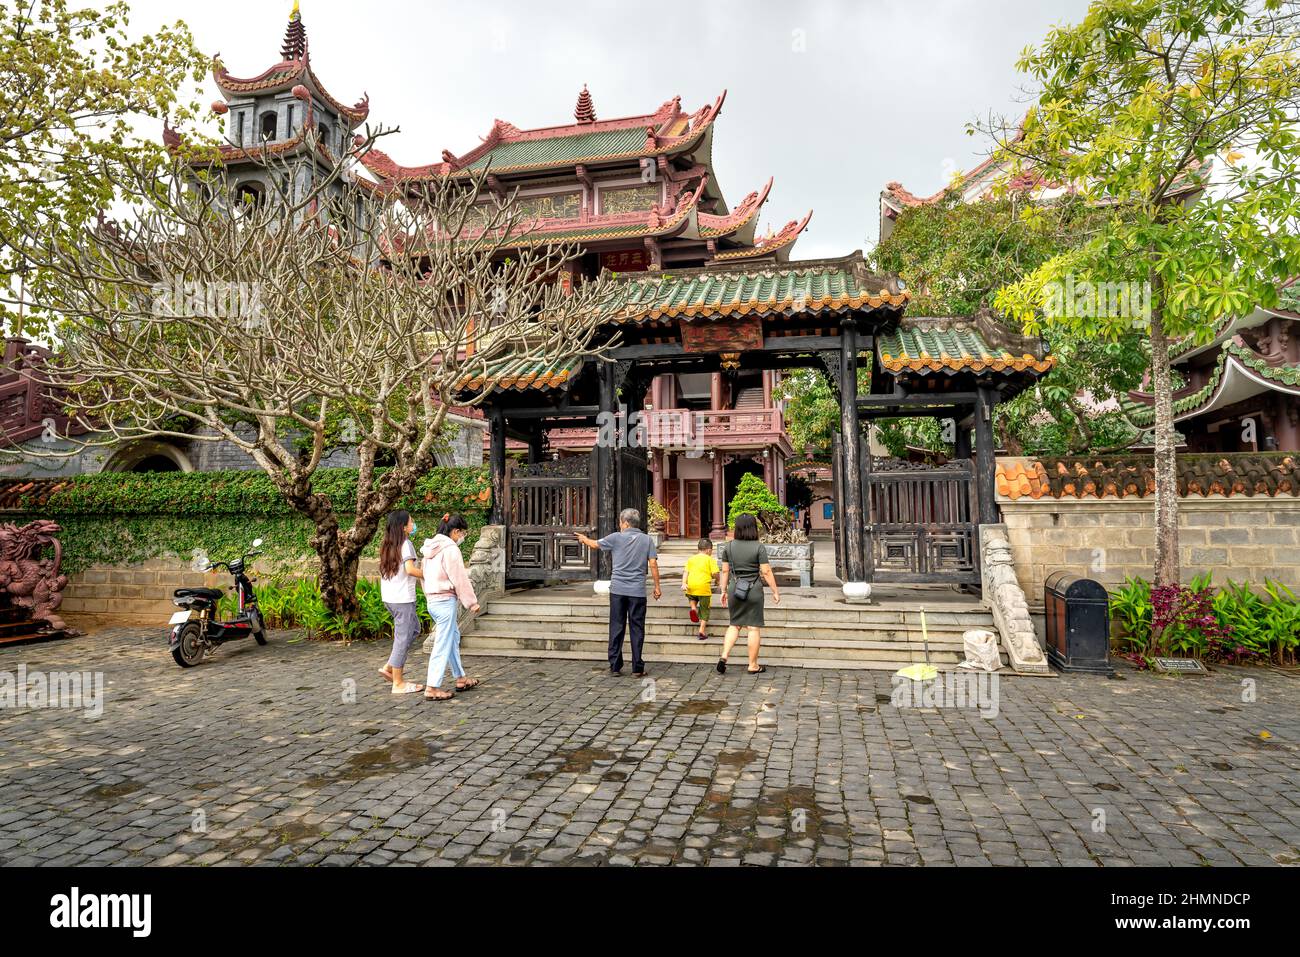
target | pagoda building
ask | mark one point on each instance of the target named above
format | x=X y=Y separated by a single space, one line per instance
x=1241 y=390
x=638 y=194
x=283 y=119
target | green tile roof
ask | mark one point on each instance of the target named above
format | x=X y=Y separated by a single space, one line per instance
x=563 y=149
x=944 y=344
x=512 y=373
x=1143 y=415
x=816 y=286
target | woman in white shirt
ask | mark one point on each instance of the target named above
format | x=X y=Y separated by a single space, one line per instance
x=398 y=571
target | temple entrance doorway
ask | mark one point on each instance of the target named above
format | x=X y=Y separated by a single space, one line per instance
x=690 y=508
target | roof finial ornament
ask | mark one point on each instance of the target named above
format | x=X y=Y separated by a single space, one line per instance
x=586 y=110
x=295 y=37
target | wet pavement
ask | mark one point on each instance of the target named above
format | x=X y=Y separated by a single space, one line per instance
x=297 y=754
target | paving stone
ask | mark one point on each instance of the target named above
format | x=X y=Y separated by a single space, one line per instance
x=550 y=764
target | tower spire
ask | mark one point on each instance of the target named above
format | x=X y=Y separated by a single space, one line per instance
x=295 y=37
x=585 y=112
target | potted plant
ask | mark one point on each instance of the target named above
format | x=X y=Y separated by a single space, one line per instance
x=656 y=520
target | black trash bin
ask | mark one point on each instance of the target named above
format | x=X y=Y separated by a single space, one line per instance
x=1078 y=624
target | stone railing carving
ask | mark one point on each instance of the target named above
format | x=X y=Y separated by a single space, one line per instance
x=1004 y=598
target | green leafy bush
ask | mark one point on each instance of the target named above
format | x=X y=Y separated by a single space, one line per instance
x=298 y=604
x=1232 y=624
x=752 y=497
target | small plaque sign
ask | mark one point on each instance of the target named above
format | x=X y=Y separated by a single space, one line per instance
x=739 y=334
x=1184 y=666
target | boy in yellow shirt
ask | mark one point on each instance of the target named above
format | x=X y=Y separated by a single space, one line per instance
x=697 y=581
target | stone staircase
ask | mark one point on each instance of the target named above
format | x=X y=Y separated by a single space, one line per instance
x=812 y=628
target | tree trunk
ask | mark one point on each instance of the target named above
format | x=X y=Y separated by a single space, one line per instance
x=338 y=557
x=338 y=579
x=1166 y=505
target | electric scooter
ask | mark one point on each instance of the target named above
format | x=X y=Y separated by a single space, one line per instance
x=195 y=629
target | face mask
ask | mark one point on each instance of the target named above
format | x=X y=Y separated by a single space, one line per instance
x=414 y=528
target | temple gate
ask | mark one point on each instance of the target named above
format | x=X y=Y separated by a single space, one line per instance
x=895 y=520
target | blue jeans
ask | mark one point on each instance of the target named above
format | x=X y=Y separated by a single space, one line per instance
x=445 y=613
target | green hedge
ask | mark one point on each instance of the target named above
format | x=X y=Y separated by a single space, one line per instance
x=245 y=492
x=128 y=518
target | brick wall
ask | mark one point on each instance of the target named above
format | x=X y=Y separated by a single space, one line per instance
x=1243 y=538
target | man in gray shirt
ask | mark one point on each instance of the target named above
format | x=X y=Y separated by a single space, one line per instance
x=633 y=550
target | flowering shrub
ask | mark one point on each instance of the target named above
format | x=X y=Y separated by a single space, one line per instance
x=1183 y=623
x=1233 y=624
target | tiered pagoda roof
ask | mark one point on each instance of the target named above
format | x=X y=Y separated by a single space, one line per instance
x=294 y=69
x=1240 y=360
x=675 y=146
x=509 y=150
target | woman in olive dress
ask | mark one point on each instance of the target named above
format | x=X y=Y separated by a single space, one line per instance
x=744 y=559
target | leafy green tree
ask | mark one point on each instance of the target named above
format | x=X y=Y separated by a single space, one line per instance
x=955 y=257
x=1138 y=105
x=73 y=90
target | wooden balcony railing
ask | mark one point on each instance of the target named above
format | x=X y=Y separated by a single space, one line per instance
x=689 y=428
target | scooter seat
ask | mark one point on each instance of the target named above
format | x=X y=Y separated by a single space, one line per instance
x=212 y=594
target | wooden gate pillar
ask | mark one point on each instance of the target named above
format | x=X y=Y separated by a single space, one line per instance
x=497 y=464
x=606 y=475
x=851 y=459
x=985 y=459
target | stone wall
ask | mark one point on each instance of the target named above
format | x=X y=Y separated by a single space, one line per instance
x=59 y=458
x=1243 y=538
x=142 y=594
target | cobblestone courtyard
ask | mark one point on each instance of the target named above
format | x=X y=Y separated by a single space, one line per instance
x=260 y=756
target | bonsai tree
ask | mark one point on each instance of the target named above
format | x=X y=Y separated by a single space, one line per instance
x=753 y=497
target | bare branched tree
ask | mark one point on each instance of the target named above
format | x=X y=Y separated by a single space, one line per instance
x=283 y=323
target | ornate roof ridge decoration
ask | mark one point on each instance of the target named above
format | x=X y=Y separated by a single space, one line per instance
x=668 y=131
x=658 y=222
x=295 y=37
x=960 y=344
x=585 y=111
x=715 y=227
x=830 y=285
x=771 y=244
x=1117 y=476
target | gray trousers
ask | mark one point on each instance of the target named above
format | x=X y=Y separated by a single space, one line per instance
x=406 y=629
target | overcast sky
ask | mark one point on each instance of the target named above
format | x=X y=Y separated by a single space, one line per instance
x=832 y=97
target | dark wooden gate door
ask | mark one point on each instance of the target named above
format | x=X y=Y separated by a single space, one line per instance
x=633 y=465
x=922 y=522
x=545 y=504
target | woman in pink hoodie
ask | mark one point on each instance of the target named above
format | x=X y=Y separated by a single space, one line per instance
x=446 y=583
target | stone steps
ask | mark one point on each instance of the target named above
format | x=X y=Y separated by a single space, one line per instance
x=806 y=632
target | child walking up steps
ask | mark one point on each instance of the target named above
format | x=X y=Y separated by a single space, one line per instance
x=697 y=581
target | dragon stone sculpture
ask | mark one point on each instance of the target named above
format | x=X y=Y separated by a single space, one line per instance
x=29 y=576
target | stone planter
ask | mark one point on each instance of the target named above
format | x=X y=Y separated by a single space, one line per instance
x=797 y=559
